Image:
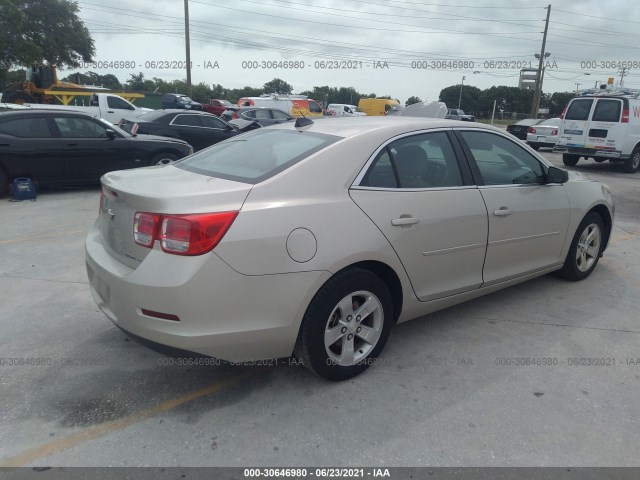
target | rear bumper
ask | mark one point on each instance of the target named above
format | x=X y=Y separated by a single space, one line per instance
x=221 y=313
x=587 y=152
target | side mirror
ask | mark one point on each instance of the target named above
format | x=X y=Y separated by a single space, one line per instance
x=557 y=175
x=111 y=134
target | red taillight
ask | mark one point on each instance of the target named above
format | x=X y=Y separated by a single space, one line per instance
x=531 y=130
x=564 y=110
x=144 y=228
x=625 y=115
x=182 y=234
x=235 y=115
x=161 y=315
x=554 y=132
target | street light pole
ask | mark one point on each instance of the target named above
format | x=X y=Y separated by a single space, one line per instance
x=460 y=97
x=188 y=46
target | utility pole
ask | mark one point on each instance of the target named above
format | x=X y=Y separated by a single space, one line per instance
x=187 y=42
x=460 y=97
x=623 y=71
x=538 y=91
x=577 y=87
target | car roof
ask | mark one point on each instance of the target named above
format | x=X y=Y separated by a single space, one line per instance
x=352 y=126
x=185 y=111
x=35 y=112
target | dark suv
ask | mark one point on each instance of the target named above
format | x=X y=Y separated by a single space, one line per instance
x=177 y=100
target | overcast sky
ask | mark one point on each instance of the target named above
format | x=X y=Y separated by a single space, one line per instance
x=482 y=36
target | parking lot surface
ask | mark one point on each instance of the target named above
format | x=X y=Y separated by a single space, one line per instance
x=546 y=373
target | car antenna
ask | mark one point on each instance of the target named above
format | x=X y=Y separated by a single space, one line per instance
x=301 y=123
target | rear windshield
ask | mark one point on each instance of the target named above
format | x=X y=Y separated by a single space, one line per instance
x=256 y=156
x=607 y=111
x=579 y=109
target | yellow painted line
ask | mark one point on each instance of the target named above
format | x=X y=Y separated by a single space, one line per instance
x=624 y=274
x=63 y=443
x=43 y=237
x=621 y=238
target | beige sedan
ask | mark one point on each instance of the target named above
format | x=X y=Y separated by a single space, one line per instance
x=314 y=239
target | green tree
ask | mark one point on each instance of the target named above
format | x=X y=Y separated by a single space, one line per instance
x=411 y=101
x=470 y=100
x=92 y=78
x=39 y=31
x=277 y=85
x=556 y=102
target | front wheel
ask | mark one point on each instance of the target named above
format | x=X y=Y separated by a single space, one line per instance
x=570 y=160
x=346 y=325
x=163 y=159
x=632 y=163
x=585 y=249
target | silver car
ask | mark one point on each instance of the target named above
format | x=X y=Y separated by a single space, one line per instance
x=315 y=240
x=544 y=133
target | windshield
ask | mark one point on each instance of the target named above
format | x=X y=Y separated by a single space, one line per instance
x=256 y=156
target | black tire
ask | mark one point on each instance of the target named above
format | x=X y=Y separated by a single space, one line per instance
x=570 y=160
x=163 y=159
x=572 y=269
x=18 y=97
x=632 y=163
x=324 y=310
x=535 y=146
x=4 y=183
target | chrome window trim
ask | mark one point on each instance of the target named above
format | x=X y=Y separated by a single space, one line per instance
x=356 y=183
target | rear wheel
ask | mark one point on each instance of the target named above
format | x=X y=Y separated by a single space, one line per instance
x=535 y=146
x=18 y=97
x=570 y=160
x=346 y=325
x=585 y=248
x=163 y=159
x=632 y=163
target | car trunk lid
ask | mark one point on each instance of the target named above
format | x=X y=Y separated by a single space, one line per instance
x=163 y=190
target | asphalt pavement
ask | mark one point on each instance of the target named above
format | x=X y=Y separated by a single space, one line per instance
x=546 y=373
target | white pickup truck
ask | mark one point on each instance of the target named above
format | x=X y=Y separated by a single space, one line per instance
x=108 y=106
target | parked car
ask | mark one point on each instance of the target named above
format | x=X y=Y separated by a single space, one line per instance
x=228 y=113
x=544 y=134
x=217 y=107
x=457 y=114
x=343 y=110
x=199 y=129
x=521 y=127
x=55 y=147
x=314 y=239
x=261 y=115
x=294 y=105
x=177 y=100
x=602 y=125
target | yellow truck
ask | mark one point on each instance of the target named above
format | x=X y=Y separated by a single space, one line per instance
x=377 y=106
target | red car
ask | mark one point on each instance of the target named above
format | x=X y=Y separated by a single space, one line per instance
x=217 y=106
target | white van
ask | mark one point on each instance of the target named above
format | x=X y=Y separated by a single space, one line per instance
x=344 y=110
x=603 y=125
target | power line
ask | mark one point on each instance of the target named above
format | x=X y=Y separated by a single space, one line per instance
x=596 y=16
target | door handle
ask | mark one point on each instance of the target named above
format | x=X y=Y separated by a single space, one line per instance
x=503 y=212
x=404 y=221
x=4 y=144
x=109 y=111
x=75 y=144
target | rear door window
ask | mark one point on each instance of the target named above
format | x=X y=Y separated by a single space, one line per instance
x=607 y=111
x=26 y=128
x=255 y=156
x=579 y=109
x=187 y=121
